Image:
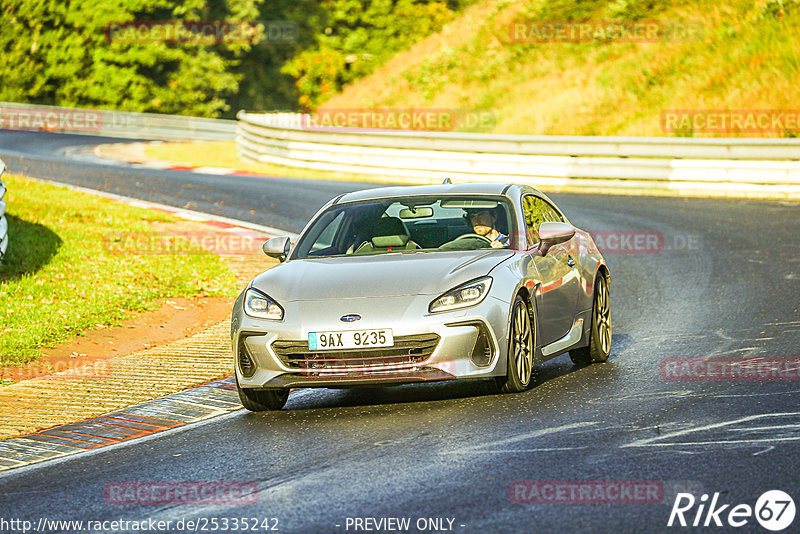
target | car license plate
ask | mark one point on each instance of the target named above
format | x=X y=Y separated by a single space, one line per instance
x=351 y=339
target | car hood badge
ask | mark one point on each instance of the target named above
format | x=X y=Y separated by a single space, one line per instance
x=350 y=318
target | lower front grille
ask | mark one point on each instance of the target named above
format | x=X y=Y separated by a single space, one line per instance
x=407 y=350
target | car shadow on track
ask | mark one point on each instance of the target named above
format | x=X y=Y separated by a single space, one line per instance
x=436 y=391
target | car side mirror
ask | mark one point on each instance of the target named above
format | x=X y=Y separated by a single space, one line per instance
x=553 y=233
x=277 y=247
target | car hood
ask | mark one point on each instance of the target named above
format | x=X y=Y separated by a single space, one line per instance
x=383 y=275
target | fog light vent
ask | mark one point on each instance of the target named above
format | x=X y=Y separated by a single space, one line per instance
x=246 y=364
x=482 y=351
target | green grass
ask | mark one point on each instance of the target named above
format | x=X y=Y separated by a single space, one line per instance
x=61 y=276
x=746 y=57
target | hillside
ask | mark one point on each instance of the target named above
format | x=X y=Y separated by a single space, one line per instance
x=736 y=55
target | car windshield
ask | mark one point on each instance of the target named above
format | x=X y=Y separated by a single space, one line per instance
x=408 y=225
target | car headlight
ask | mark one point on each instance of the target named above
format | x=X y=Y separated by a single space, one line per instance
x=463 y=296
x=257 y=304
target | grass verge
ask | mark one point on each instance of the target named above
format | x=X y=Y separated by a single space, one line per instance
x=62 y=275
x=712 y=55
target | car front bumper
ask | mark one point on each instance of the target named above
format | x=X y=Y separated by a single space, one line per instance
x=466 y=343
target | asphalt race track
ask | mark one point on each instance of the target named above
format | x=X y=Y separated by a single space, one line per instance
x=724 y=282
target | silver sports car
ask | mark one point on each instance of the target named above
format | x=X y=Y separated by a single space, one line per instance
x=424 y=283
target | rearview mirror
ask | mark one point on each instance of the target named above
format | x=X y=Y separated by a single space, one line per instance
x=416 y=213
x=553 y=233
x=277 y=247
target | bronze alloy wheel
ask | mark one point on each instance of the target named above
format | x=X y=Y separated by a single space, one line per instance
x=600 y=332
x=520 y=349
x=602 y=318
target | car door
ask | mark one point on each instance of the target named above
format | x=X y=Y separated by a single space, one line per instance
x=557 y=270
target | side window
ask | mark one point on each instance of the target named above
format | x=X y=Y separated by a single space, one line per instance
x=325 y=238
x=553 y=215
x=536 y=212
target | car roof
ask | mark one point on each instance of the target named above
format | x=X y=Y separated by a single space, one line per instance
x=420 y=190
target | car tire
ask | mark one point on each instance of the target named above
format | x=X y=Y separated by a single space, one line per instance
x=599 y=346
x=262 y=400
x=521 y=336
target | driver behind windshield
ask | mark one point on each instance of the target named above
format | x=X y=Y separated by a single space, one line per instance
x=484 y=222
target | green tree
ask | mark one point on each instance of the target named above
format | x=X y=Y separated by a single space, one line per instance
x=359 y=35
x=263 y=86
x=60 y=52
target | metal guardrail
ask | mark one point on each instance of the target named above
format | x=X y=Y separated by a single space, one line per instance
x=3 y=220
x=129 y=125
x=749 y=167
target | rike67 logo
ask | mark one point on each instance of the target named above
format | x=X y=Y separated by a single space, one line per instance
x=774 y=510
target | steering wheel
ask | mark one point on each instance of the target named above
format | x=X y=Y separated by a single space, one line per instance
x=473 y=236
